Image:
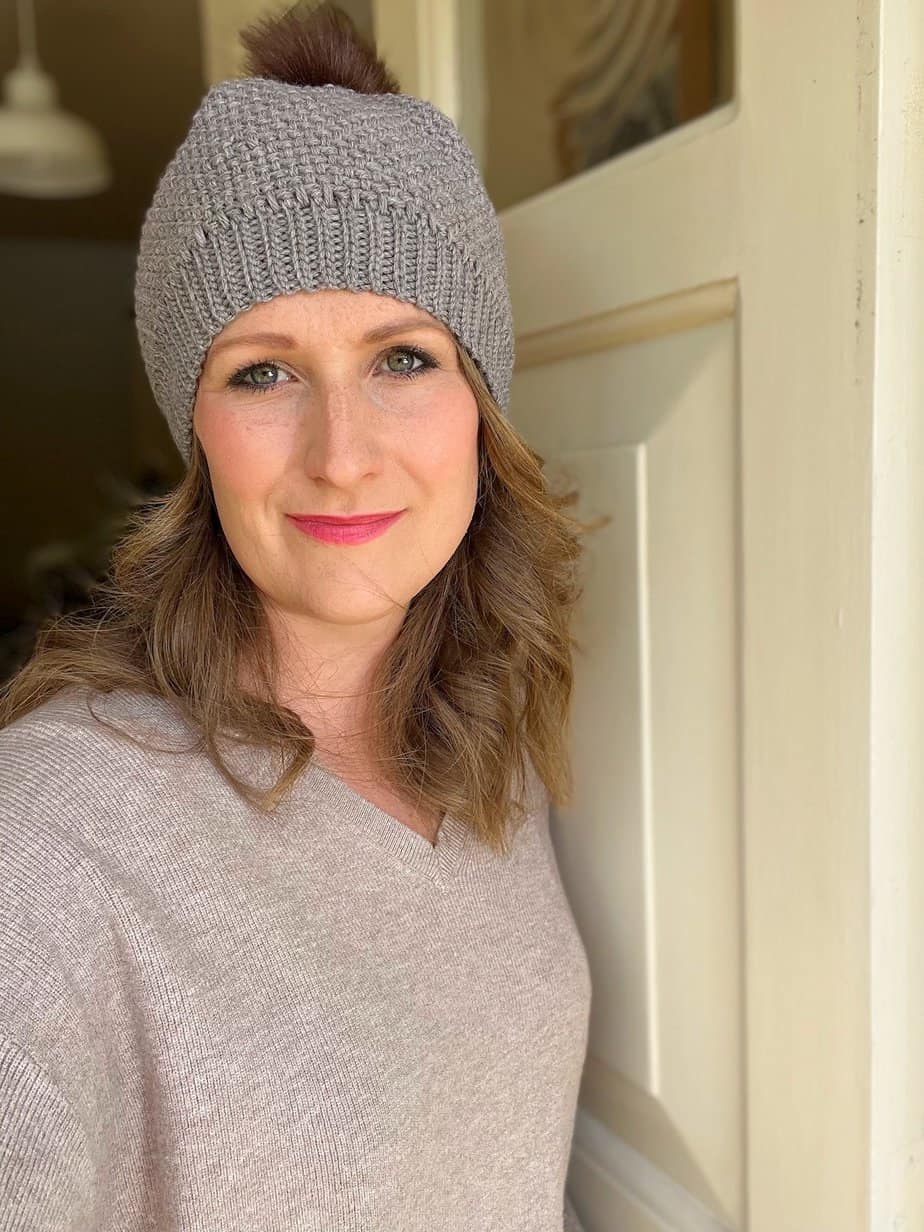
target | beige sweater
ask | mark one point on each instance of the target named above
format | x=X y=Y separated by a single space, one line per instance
x=213 y=1020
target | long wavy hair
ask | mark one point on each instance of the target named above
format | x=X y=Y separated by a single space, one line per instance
x=479 y=677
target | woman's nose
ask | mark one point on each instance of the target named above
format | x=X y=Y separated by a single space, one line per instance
x=341 y=438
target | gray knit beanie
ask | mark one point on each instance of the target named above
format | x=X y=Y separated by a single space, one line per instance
x=280 y=187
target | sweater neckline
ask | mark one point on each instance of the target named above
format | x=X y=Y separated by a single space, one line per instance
x=440 y=861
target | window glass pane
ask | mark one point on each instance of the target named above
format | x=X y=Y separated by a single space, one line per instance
x=565 y=86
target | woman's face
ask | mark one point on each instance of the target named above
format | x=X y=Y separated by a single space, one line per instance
x=325 y=422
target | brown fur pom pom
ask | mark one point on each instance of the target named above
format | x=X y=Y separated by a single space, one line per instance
x=315 y=47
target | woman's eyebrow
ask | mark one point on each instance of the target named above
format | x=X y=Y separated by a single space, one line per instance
x=388 y=330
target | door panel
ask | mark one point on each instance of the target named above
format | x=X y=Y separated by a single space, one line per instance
x=652 y=837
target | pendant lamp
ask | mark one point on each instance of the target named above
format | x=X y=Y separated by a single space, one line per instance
x=44 y=151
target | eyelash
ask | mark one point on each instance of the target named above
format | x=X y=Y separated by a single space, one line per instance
x=237 y=380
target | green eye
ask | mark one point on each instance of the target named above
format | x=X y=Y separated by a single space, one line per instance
x=239 y=378
x=426 y=361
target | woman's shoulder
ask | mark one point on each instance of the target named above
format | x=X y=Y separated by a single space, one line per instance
x=73 y=785
x=82 y=744
x=76 y=712
x=65 y=782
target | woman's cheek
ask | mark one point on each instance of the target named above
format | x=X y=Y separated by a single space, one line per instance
x=244 y=446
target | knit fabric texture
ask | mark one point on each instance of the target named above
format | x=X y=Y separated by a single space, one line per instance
x=315 y=1020
x=278 y=188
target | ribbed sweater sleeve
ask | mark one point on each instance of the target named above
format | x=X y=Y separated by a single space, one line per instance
x=68 y=1063
x=46 y=1172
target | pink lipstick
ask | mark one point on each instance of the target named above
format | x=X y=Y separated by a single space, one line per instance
x=359 y=529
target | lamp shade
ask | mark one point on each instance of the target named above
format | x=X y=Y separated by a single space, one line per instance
x=44 y=151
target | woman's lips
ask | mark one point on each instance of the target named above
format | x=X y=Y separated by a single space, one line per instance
x=345 y=532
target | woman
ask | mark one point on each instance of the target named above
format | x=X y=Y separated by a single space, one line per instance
x=284 y=944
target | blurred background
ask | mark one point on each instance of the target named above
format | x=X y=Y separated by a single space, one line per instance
x=81 y=429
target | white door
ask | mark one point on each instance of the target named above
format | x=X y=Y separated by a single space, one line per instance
x=719 y=341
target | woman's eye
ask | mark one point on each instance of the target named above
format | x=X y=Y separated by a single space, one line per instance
x=426 y=361
x=406 y=354
x=239 y=378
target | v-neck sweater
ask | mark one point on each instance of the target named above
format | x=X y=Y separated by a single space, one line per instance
x=213 y=1018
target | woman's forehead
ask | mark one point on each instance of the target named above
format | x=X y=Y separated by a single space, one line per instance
x=300 y=309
